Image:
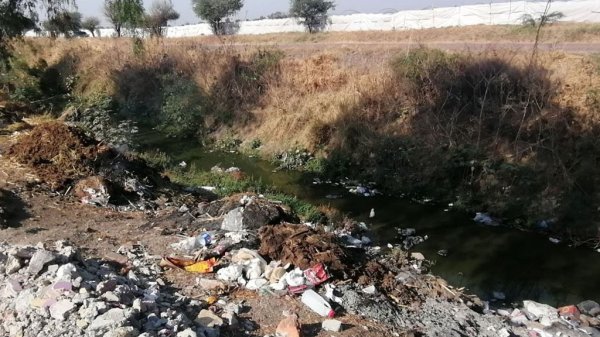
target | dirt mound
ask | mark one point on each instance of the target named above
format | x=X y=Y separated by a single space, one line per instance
x=58 y=153
x=303 y=247
x=62 y=155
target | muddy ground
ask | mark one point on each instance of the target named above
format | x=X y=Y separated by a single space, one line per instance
x=33 y=215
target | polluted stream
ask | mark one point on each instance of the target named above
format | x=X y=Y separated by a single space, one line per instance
x=483 y=259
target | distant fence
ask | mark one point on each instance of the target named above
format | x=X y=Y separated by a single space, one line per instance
x=506 y=13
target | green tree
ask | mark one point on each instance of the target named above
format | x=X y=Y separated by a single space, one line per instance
x=66 y=23
x=160 y=13
x=91 y=24
x=17 y=16
x=124 y=14
x=214 y=11
x=311 y=13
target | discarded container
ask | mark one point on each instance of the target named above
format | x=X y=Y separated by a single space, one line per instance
x=202 y=267
x=317 y=303
x=316 y=274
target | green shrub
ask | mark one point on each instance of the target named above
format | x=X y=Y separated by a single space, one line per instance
x=303 y=209
x=182 y=107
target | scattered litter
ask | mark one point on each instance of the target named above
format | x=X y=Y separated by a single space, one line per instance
x=202 y=267
x=554 y=240
x=485 y=219
x=370 y=290
x=317 y=303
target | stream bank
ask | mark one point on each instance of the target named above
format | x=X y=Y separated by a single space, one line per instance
x=484 y=259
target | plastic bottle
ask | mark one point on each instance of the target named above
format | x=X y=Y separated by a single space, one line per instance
x=317 y=303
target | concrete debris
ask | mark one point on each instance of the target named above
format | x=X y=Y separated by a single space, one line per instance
x=51 y=293
x=332 y=325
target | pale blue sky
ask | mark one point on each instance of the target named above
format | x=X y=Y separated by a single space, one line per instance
x=255 y=8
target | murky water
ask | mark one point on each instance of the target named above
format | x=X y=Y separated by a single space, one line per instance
x=483 y=259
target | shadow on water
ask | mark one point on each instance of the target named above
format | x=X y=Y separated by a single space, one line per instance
x=483 y=259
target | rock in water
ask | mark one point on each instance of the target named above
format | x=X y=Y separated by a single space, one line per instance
x=591 y=308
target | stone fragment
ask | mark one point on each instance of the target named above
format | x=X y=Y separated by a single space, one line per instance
x=332 y=325
x=208 y=319
x=66 y=272
x=105 y=286
x=417 y=256
x=39 y=259
x=590 y=308
x=61 y=309
x=231 y=319
x=540 y=310
x=125 y=331
x=13 y=265
x=113 y=318
x=11 y=288
x=209 y=284
x=187 y=333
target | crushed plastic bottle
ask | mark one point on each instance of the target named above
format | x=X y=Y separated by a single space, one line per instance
x=317 y=303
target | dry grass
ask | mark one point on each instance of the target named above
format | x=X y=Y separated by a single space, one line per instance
x=311 y=90
x=534 y=137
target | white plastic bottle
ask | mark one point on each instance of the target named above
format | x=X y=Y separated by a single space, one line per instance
x=317 y=303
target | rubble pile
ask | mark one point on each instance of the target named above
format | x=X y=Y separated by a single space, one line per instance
x=50 y=292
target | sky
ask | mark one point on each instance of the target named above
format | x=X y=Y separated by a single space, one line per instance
x=255 y=8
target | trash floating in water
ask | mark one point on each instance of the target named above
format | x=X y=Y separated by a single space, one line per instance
x=442 y=252
x=485 y=219
x=554 y=240
x=372 y=214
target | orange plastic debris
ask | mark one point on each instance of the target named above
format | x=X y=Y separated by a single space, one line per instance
x=202 y=267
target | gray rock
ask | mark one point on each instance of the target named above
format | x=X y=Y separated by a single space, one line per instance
x=39 y=259
x=231 y=318
x=126 y=331
x=591 y=331
x=23 y=301
x=105 y=286
x=11 y=288
x=590 y=308
x=113 y=318
x=109 y=296
x=332 y=325
x=207 y=318
x=540 y=310
x=61 y=309
x=154 y=322
x=187 y=333
x=13 y=265
x=66 y=272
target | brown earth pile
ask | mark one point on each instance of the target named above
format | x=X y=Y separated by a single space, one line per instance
x=303 y=247
x=58 y=153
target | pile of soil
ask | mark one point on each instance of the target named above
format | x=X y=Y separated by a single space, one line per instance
x=303 y=247
x=62 y=155
x=59 y=154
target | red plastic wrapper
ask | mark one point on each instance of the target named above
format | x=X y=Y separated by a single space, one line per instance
x=316 y=274
x=297 y=289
